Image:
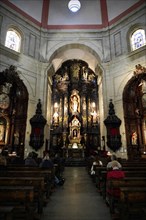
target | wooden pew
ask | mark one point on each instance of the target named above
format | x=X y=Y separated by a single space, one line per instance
x=132 y=203
x=37 y=183
x=113 y=184
x=128 y=173
x=18 y=196
x=134 y=164
x=6 y=212
x=47 y=174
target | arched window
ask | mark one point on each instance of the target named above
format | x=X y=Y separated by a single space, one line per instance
x=138 y=39
x=13 y=40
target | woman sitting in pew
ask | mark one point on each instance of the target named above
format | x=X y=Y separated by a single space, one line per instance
x=114 y=173
x=113 y=160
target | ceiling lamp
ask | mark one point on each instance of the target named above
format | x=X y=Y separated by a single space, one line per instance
x=74 y=5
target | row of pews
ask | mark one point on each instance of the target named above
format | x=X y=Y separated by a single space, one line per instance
x=131 y=203
x=24 y=191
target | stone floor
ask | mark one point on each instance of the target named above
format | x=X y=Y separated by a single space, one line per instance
x=77 y=199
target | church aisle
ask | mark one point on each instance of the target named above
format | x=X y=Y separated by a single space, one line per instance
x=78 y=199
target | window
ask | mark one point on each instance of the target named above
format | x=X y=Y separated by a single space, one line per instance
x=13 y=40
x=138 y=39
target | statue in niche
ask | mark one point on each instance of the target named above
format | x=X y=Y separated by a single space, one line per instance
x=134 y=138
x=65 y=106
x=94 y=117
x=84 y=104
x=74 y=104
x=85 y=73
x=56 y=118
x=74 y=133
x=2 y=131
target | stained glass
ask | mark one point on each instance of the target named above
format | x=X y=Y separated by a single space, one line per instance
x=138 y=39
x=13 y=40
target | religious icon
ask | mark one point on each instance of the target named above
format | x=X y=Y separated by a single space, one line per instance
x=2 y=130
x=74 y=133
x=55 y=117
x=134 y=138
x=74 y=103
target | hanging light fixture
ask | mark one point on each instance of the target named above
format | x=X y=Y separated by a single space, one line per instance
x=74 y=5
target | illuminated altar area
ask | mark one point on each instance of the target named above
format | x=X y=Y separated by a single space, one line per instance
x=75 y=113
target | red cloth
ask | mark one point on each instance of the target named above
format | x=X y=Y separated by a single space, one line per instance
x=115 y=174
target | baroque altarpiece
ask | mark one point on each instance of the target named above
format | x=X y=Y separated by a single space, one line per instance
x=75 y=112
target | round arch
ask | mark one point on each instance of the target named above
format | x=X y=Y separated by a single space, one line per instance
x=15 y=112
x=71 y=51
x=134 y=107
x=75 y=51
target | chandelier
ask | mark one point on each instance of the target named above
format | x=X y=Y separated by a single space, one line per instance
x=74 y=5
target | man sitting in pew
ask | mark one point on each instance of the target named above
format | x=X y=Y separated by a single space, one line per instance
x=48 y=163
x=30 y=161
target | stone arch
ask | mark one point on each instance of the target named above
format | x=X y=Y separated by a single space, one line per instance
x=59 y=54
x=56 y=52
x=135 y=115
x=16 y=111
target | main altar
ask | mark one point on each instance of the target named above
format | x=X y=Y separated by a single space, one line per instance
x=75 y=125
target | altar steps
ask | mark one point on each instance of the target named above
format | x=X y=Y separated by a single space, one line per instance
x=75 y=162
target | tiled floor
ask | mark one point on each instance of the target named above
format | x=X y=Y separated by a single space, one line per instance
x=77 y=199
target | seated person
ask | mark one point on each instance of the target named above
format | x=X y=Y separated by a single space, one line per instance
x=59 y=162
x=110 y=164
x=30 y=161
x=96 y=162
x=114 y=173
x=48 y=163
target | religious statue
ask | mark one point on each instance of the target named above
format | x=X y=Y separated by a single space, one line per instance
x=56 y=118
x=134 y=138
x=94 y=117
x=74 y=133
x=74 y=103
x=2 y=130
x=139 y=69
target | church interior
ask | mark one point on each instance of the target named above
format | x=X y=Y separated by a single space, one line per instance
x=73 y=80
x=74 y=64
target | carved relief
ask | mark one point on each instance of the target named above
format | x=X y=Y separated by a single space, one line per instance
x=75 y=70
x=139 y=69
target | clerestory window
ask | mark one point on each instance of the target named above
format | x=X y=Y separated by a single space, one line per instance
x=138 y=39
x=13 y=40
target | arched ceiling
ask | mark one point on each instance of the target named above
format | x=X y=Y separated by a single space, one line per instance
x=55 y=15
x=75 y=51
